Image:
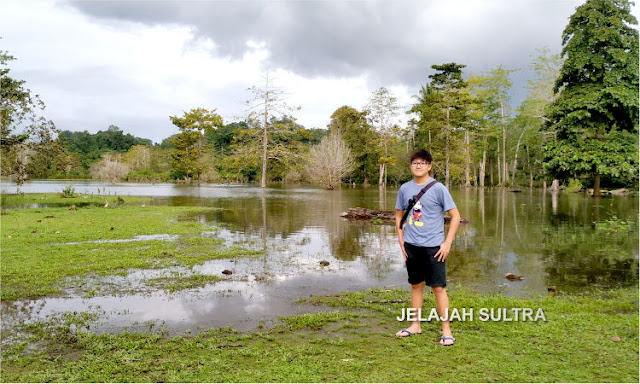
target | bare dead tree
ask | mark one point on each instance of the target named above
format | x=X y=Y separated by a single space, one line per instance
x=109 y=168
x=329 y=162
x=266 y=101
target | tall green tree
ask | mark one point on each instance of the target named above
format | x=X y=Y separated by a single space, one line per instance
x=595 y=114
x=361 y=138
x=188 y=144
x=531 y=118
x=23 y=129
x=481 y=117
x=499 y=85
x=442 y=109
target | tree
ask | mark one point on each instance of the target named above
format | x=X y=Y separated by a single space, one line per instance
x=499 y=85
x=267 y=101
x=531 y=113
x=361 y=139
x=329 y=162
x=288 y=142
x=91 y=146
x=442 y=111
x=480 y=118
x=110 y=167
x=188 y=144
x=595 y=115
x=23 y=130
x=382 y=111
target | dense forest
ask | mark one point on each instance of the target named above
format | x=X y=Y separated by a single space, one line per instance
x=578 y=124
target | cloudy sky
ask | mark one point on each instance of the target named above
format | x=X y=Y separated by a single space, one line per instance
x=134 y=63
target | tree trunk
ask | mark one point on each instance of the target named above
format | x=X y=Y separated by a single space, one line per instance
x=529 y=167
x=530 y=179
x=474 y=175
x=381 y=176
x=467 y=166
x=263 y=179
x=446 y=151
x=505 y=168
x=491 y=173
x=499 y=165
x=483 y=166
x=515 y=160
x=506 y=171
x=596 y=185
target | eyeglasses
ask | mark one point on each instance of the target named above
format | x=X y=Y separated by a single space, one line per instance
x=419 y=163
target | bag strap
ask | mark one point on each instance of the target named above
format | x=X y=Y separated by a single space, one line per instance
x=413 y=202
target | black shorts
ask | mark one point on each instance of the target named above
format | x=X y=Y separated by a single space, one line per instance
x=422 y=266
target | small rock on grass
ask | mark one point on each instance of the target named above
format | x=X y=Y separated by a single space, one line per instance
x=616 y=339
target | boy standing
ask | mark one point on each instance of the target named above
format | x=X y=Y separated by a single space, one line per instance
x=422 y=240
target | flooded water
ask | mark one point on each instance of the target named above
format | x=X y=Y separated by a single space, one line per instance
x=550 y=239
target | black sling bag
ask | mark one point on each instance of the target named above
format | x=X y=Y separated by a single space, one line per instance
x=414 y=200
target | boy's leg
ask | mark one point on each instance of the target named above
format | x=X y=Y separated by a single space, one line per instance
x=442 y=306
x=417 y=300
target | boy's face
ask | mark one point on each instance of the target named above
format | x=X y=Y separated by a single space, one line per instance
x=420 y=167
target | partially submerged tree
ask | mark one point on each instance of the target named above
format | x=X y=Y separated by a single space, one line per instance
x=442 y=110
x=595 y=115
x=266 y=102
x=110 y=167
x=188 y=144
x=329 y=162
x=360 y=137
x=383 y=110
x=531 y=119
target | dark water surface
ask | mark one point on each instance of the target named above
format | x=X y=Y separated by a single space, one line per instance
x=551 y=239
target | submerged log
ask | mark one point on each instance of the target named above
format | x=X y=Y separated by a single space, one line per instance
x=619 y=192
x=369 y=214
x=386 y=217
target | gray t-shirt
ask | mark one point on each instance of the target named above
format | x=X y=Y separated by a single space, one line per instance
x=425 y=224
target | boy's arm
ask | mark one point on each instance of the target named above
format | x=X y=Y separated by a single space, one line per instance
x=445 y=247
x=399 y=214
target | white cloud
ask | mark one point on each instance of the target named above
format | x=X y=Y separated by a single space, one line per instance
x=92 y=72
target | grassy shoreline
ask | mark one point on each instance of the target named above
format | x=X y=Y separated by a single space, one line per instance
x=355 y=343
x=43 y=247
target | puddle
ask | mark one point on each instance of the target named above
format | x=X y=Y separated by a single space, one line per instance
x=159 y=236
x=260 y=290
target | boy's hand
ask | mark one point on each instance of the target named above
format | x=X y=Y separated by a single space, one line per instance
x=442 y=254
x=404 y=252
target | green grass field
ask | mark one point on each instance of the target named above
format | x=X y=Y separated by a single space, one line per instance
x=37 y=258
x=592 y=337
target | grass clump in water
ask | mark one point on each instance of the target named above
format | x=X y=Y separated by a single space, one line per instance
x=179 y=282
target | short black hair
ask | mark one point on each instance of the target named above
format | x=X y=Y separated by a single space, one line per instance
x=421 y=154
